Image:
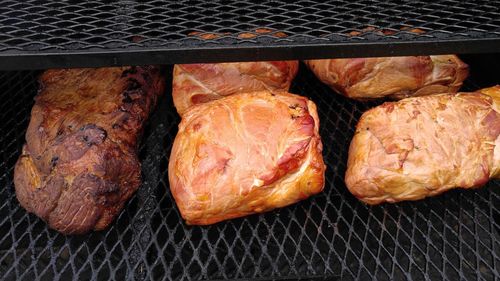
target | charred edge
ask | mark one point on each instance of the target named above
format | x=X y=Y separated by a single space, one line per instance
x=127 y=95
x=294 y=106
x=147 y=77
x=89 y=142
x=133 y=84
x=130 y=71
x=92 y=141
x=126 y=98
x=53 y=161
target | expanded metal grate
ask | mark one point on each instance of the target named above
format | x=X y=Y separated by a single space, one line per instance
x=455 y=236
x=55 y=33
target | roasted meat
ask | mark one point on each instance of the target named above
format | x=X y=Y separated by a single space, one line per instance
x=392 y=77
x=243 y=154
x=199 y=83
x=79 y=165
x=423 y=146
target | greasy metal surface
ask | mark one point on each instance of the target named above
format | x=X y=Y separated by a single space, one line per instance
x=43 y=34
x=454 y=236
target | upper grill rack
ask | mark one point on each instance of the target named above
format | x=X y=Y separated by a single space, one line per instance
x=45 y=34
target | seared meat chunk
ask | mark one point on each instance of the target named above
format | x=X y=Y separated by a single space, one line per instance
x=392 y=77
x=243 y=154
x=199 y=83
x=79 y=165
x=423 y=146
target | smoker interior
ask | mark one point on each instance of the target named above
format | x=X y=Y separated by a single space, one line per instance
x=453 y=236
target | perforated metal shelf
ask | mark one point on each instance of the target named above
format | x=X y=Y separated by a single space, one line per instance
x=455 y=236
x=38 y=34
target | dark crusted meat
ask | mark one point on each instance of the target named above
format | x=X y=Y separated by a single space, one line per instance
x=79 y=165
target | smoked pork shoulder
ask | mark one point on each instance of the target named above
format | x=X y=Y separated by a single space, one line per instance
x=244 y=154
x=199 y=83
x=423 y=146
x=391 y=77
x=79 y=164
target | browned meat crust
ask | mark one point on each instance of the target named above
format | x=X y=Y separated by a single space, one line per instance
x=79 y=165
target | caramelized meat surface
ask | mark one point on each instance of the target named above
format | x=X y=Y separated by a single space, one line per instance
x=79 y=165
x=423 y=146
x=392 y=77
x=243 y=154
x=199 y=83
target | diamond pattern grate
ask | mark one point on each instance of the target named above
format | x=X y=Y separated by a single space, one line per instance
x=44 y=34
x=455 y=236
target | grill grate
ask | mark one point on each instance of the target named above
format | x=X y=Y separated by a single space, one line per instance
x=453 y=236
x=45 y=34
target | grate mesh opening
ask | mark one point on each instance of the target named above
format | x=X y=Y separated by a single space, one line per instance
x=448 y=237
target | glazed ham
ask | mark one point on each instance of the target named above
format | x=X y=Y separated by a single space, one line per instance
x=423 y=146
x=199 y=83
x=79 y=165
x=392 y=77
x=243 y=154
